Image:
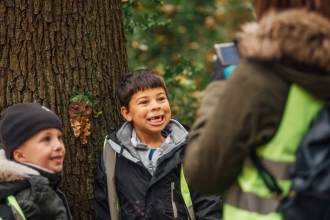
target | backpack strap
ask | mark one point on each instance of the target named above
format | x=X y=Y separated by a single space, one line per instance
x=12 y=202
x=266 y=176
x=185 y=192
x=118 y=207
x=109 y=158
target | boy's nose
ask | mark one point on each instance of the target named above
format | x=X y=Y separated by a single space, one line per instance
x=58 y=144
x=155 y=105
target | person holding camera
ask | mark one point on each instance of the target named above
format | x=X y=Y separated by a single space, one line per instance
x=266 y=105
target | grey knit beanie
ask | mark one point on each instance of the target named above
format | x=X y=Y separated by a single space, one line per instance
x=20 y=121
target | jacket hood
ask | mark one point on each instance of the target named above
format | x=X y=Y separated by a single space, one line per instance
x=176 y=132
x=174 y=128
x=12 y=171
x=13 y=176
x=296 y=35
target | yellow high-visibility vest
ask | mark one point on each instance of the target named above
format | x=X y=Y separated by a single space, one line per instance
x=249 y=198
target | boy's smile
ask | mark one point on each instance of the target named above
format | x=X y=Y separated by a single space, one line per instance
x=149 y=111
x=156 y=120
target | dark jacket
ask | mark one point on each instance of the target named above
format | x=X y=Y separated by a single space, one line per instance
x=35 y=190
x=244 y=112
x=145 y=196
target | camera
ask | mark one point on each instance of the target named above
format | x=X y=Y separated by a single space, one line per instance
x=226 y=55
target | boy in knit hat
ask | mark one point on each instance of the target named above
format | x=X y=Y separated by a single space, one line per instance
x=31 y=164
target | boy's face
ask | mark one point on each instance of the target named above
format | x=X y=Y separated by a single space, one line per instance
x=45 y=149
x=149 y=110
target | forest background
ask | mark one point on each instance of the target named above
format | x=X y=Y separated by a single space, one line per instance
x=68 y=55
x=176 y=38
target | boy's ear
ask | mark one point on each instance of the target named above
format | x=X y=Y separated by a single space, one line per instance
x=18 y=155
x=126 y=114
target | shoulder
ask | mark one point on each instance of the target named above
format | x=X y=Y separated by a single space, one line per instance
x=122 y=133
x=40 y=199
x=185 y=126
x=112 y=135
x=260 y=75
x=37 y=185
x=175 y=126
x=248 y=66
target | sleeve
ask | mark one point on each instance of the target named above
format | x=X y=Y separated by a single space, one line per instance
x=101 y=203
x=235 y=116
x=207 y=207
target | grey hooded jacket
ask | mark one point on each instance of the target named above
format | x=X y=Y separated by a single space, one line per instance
x=147 y=190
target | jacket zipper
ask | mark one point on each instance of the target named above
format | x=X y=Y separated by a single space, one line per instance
x=175 y=211
x=164 y=158
x=123 y=147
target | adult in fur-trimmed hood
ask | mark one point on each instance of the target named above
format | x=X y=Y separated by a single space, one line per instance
x=268 y=102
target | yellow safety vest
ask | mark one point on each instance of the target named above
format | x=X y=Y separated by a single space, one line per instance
x=249 y=198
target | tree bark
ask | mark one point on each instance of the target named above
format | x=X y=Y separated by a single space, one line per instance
x=50 y=49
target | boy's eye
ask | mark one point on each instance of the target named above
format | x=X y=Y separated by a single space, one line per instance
x=46 y=138
x=162 y=98
x=144 y=102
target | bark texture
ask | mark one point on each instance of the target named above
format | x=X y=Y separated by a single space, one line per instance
x=52 y=48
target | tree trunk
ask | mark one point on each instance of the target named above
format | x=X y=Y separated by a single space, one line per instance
x=51 y=49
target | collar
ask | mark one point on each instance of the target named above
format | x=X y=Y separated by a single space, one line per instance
x=137 y=143
x=53 y=178
x=175 y=131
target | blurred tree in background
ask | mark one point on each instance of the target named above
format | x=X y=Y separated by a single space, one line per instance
x=176 y=38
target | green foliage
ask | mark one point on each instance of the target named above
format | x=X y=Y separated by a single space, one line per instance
x=85 y=98
x=175 y=38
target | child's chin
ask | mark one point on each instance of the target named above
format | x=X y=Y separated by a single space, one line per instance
x=57 y=170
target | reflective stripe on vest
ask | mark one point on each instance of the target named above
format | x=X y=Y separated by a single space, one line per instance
x=250 y=199
x=11 y=201
x=185 y=192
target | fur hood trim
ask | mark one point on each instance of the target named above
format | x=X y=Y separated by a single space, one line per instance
x=296 y=34
x=12 y=171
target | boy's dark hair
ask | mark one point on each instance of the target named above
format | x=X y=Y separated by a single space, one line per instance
x=138 y=80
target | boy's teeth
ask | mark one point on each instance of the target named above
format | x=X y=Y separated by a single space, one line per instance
x=155 y=119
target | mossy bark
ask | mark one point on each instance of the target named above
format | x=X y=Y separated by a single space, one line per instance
x=50 y=49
